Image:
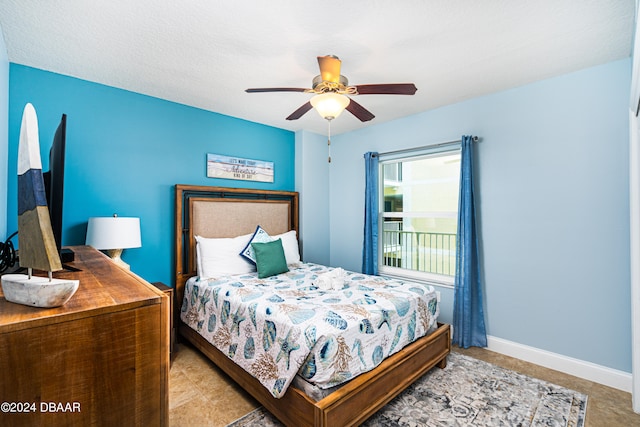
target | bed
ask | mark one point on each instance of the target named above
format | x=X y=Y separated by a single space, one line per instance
x=217 y=212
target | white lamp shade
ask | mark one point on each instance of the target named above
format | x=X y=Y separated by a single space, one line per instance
x=330 y=105
x=113 y=233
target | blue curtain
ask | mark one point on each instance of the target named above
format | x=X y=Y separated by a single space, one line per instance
x=468 y=312
x=370 y=244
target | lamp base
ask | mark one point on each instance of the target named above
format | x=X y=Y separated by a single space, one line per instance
x=116 y=256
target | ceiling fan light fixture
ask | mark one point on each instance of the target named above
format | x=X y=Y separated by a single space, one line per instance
x=330 y=105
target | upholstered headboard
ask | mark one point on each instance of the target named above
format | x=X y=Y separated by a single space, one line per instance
x=225 y=212
x=231 y=217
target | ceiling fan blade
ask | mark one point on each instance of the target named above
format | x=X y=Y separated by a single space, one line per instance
x=359 y=111
x=329 y=68
x=300 y=111
x=275 y=89
x=387 y=89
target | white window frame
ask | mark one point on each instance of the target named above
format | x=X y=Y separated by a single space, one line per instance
x=397 y=272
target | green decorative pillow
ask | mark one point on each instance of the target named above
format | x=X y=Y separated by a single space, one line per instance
x=270 y=259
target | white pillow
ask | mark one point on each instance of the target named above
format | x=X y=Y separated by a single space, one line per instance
x=290 y=246
x=219 y=257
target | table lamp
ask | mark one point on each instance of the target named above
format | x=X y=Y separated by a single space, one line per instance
x=114 y=234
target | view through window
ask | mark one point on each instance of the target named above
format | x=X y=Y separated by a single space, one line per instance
x=420 y=216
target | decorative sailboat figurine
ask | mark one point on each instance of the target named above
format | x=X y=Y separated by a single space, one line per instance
x=36 y=242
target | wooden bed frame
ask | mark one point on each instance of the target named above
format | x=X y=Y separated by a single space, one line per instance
x=229 y=212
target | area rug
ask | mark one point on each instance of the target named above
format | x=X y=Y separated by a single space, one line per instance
x=469 y=392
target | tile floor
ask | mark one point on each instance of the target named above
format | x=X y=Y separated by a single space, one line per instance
x=202 y=395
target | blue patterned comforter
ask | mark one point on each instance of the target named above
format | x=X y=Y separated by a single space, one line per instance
x=284 y=325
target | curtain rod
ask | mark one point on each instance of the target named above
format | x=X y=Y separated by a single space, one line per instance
x=441 y=144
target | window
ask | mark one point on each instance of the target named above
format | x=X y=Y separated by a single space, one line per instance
x=420 y=216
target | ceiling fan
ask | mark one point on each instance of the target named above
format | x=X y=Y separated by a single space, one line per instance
x=331 y=90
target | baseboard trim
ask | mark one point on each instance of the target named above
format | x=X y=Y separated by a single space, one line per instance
x=589 y=371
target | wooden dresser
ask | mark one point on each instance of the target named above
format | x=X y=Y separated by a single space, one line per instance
x=102 y=359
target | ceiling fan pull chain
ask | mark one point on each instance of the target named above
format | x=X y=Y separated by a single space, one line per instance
x=329 y=140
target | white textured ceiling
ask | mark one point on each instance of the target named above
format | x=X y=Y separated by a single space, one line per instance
x=205 y=53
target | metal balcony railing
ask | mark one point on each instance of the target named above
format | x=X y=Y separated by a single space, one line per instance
x=420 y=251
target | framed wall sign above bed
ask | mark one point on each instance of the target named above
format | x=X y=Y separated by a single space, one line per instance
x=219 y=166
x=313 y=355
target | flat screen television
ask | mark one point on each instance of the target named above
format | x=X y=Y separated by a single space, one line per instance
x=54 y=186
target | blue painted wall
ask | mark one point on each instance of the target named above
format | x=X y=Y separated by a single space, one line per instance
x=125 y=151
x=312 y=182
x=4 y=132
x=553 y=207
